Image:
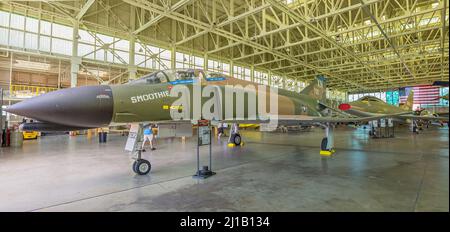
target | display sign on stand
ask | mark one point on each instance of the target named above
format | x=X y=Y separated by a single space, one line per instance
x=133 y=141
x=382 y=122
x=390 y=122
x=391 y=127
x=204 y=139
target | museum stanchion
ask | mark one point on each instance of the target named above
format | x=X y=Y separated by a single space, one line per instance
x=204 y=139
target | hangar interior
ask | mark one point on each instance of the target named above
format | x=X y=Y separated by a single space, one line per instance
x=378 y=48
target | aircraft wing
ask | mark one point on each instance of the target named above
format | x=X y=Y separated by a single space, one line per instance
x=287 y=119
x=418 y=117
x=335 y=110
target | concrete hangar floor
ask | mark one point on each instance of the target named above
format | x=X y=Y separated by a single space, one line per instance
x=272 y=172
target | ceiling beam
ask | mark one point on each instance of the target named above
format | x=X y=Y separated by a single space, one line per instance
x=175 y=7
x=443 y=37
x=227 y=22
x=388 y=39
x=224 y=33
x=84 y=9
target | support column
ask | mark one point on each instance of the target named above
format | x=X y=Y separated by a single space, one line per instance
x=205 y=54
x=132 y=69
x=205 y=62
x=59 y=74
x=252 y=73
x=173 y=53
x=75 y=60
x=10 y=74
x=173 y=48
x=231 y=68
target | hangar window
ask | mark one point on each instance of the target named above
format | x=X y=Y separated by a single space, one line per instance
x=32 y=25
x=62 y=31
x=17 y=21
x=290 y=84
x=247 y=74
x=218 y=66
x=188 y=61
x=261 y=77
x=4 y=19
x=147 y=56
x=30 y=33
x=276 y=81
x=238 y=72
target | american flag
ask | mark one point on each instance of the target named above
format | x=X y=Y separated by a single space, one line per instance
x=425 y=94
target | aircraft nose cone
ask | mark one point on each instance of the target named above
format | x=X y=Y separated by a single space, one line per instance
x=87 y=106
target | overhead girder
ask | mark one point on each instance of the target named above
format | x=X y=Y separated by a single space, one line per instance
x=221 y=32
x=273 y=38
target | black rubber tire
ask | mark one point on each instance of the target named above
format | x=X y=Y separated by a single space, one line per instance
x=133 y=166
x=323 y=145
x=236 y=139
x=142 y=167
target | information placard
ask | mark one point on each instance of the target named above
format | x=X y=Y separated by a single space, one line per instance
x=382 y=122
x=375 y=123
x=390 y=122
x=132 y=136
x=204 y=133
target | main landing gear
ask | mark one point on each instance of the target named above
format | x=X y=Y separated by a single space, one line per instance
x=327 y=144
x=235 y=138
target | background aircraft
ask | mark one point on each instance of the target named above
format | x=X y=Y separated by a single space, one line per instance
x=368 y=106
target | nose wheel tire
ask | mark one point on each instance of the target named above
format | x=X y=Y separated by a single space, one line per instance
x=236 y=139
x=141 y=167
x=323 y=145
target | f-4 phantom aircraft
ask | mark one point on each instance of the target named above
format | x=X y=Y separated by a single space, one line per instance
x=183 y=95
x=368 y=106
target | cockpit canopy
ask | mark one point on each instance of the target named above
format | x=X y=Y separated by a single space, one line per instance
x=370 y=99
x=176 y=76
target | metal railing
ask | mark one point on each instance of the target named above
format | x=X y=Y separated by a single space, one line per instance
x=25 y=91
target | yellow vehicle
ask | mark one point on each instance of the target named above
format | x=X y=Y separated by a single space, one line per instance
x=30 y=134
x=243 y=125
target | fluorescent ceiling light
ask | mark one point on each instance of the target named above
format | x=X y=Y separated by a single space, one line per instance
x=32 y=65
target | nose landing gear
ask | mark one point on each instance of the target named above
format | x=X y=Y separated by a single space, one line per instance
x=141 y=166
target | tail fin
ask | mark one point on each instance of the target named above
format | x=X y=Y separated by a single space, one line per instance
x=409 y=102
x=317 y=89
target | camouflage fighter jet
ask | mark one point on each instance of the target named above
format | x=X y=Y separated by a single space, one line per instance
x=156 y=98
